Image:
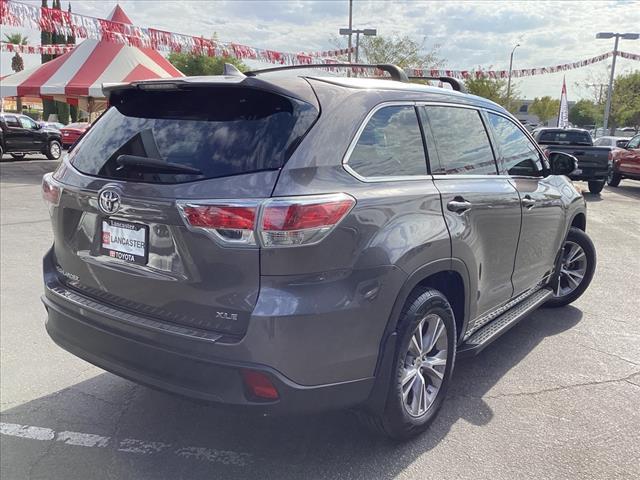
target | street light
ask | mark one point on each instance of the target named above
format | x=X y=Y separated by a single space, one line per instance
x=366 y=31
x=617 y=36
x=509 y=81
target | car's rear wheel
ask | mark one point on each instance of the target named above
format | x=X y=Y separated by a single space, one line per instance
x=596 y=186
x=613 y=178
x=577 y=266
x=422 y=368
x=54 y=150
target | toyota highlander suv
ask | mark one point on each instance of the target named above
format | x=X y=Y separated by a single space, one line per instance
x=294 y=243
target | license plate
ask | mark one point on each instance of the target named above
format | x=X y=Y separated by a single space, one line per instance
x=125 y=241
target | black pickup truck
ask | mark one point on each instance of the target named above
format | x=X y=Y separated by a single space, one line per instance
x=593 y=162
x=20 y=135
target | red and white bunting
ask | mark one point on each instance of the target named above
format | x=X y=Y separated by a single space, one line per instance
x=57 y=49
x=18 y=14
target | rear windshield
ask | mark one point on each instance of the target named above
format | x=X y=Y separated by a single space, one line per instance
x=186 y=135
x=561 y=136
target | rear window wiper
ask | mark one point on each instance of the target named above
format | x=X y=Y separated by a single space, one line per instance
x=155 y=165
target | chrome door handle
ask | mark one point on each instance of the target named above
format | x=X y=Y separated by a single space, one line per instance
x=528 y=202
x=458 y=206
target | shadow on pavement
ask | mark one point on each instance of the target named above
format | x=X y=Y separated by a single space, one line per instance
x=25 y=172
x=627 y=188
x=330 y=445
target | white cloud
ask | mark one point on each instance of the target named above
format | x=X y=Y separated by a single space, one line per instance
x=470 y=33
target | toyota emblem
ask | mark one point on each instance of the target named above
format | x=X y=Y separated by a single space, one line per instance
x=109 y=201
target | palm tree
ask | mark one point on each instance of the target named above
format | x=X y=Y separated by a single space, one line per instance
x=17 y=63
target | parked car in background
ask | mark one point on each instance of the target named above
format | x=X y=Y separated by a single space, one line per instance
x=593 y=162
x=21 y=135
x=55 y=125
x=209 y=240
x=625 y=162
x=617 y=142
x=73 y=131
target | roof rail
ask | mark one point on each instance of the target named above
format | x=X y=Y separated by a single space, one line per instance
x=456 y=84
x=394 y=71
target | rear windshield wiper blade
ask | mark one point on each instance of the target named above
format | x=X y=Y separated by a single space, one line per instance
x=155 y=164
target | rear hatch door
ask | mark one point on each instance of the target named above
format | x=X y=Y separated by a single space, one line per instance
x=122 y=229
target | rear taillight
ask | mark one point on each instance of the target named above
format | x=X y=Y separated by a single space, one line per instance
x=51 y=190
x=302 y=220
x=229 y=223
x=279 y=222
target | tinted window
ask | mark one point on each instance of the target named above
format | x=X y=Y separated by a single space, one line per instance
x=27 y=122
x=621 y=143
x=462 y=141
x=390 y=145
x=565 y=136
x=219 y=131
x=634 y=142
x=518 y=155
x=12 y=121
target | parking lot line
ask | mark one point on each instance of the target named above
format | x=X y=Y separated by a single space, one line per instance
x=127 y=445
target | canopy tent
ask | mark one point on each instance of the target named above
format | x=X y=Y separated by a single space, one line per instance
x=77 y=76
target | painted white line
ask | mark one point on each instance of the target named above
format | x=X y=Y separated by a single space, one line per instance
x=25 y=431
x=82 y=439
x=128 y=445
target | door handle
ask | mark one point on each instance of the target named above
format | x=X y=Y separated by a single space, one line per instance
x=458 y=205
x=528 y=202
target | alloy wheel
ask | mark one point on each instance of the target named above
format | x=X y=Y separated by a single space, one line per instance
x=424 y=365
x=573 y=268
x=55 y=150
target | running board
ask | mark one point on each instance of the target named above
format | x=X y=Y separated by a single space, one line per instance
x=490 y=332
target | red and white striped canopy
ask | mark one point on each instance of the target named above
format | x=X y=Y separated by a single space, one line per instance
x=81 y=72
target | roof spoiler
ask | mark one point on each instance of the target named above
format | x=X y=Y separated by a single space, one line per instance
x=456 y=84
x=394 y=71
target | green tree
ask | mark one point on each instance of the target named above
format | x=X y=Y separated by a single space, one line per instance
x=191 y=64
x=585 y=113
x=494 y=89
x=625 y=102
x=545 y=108
x=402 y=51
x=17 y=63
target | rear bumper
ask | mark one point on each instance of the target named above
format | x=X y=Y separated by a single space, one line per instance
x=160 y=363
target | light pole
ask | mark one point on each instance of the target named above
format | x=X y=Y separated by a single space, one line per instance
x=617 y=36
x=365 y=31
x=509 y=81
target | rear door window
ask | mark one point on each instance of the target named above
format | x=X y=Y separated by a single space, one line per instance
x=193 y=134
x=12 y=121
x=390 y=145
x=517 y=154
x=461 y=141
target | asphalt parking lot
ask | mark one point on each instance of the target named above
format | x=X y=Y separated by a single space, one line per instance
x=556 y=397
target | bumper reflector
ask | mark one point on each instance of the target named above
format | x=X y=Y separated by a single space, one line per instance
x=260 y=385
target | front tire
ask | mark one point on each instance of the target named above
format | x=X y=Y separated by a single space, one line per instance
x=577 y=266
x=423 y=366
x=54 y=150
x=613 y=178
x=596 y=187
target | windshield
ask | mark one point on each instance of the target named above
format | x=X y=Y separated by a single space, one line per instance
x=218 y=131
x=566 y=137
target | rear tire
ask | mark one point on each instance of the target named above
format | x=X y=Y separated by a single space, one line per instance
x=613 y=179
x=578 y=264
x=596 y=187
x=420 y=380
x=18 y=156
x=54 y=150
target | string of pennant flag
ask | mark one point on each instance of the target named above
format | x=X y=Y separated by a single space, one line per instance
x=17 y=14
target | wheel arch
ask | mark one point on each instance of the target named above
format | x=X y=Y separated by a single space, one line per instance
x=449 y=276
x=579 y=220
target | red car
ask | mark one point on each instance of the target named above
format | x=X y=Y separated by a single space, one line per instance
x=72 y=132
x=624 y=162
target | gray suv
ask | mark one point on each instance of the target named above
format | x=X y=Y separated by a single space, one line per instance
x=298 y=243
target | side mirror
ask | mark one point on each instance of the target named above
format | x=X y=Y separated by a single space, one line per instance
x=37 y=126
x=562 y=163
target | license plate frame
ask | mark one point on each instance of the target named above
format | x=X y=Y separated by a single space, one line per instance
x=126 y=233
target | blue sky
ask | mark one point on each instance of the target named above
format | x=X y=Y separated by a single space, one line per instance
x=469 y=33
